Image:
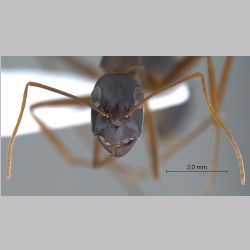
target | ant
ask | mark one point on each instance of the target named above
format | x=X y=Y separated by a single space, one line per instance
x=119 y=107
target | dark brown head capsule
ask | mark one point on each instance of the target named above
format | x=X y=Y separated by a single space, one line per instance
x=115 y=94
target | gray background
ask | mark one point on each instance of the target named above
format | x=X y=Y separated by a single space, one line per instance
x=38 y=169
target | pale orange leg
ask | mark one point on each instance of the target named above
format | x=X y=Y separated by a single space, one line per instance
x=217 y=95
x=12 y=139
x=216 y=118
x=205 y=124
x=214 y=162
x=215 y=102
x=197 y=131
x=210 y=107
x=212 y=83
x=153 y=147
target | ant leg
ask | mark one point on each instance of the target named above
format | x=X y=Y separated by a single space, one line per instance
x=217 y=97
x=82 y=67
x=215 y=102
x=211 y=109
x=202 y=127
x=62 y=102
x=25 y=94
x=152 y=141
x=214 y=162
x=63 y=150
x=212 y=83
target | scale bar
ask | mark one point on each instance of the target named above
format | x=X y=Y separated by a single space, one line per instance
x=197 y=171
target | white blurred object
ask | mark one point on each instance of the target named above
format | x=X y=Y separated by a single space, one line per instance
x=13 y=84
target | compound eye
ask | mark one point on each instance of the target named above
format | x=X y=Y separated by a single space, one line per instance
x=96 y=96
x=138 y=95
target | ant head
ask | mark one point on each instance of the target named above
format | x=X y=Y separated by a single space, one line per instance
x=115 y=95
